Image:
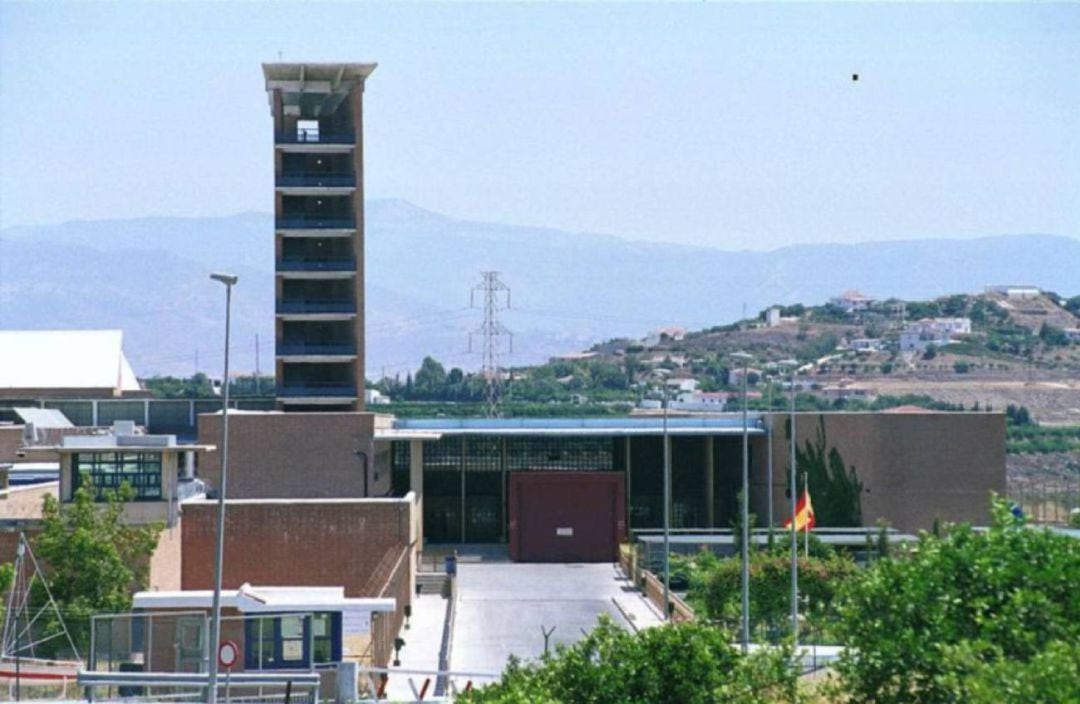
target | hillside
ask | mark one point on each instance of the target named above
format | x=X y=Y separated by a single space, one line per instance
x=148 y=276
x=1006 y=355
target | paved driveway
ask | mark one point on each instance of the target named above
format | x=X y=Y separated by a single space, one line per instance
x=503 y=606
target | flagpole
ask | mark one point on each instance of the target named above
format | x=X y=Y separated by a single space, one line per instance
x=806 y=535
x=794 y=503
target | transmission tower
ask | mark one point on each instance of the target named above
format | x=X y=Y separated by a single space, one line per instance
x=491 y=331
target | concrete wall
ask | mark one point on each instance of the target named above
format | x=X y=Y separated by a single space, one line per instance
x=10 y=442
x=165 y=563
x=914 y=467
x=352 y=543
x=294 y=455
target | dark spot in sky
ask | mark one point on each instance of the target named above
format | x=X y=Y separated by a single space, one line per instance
x=855 y=77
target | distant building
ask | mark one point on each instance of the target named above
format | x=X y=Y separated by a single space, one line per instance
x=773 y=317
x=953 y=326
x=682 y=384
x=374 y=397
x=1015 y=291
x=735 y=375
x=865 y=344
x=852 y=301
x=933 y=331
x=845 y=389
x=1073 y=334
x=51 y=364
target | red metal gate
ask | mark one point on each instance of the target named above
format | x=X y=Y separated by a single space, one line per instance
x=566 y=516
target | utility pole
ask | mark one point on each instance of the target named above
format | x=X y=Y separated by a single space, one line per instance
x=491 y=330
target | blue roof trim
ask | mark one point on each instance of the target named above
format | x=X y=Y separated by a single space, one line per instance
x=599 y=424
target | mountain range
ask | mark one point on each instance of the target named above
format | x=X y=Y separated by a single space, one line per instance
x=148 y=276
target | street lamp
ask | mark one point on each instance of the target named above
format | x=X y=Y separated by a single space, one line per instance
x=792 y=364
x=745 y=359
x=229 y=280
x=667 y=504
x=769 y=455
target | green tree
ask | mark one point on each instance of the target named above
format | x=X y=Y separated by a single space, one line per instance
x=835 y=489
x=687 y=663
x=430 y=381
x=95 y=560
x=1053 y=336
x=960 y=613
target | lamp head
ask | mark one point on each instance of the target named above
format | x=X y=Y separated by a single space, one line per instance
x=227 y=279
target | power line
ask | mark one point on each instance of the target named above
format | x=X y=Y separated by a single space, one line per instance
x=492 y=331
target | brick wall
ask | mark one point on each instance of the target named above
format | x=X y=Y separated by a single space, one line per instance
x=343 y=542
x=293 y=455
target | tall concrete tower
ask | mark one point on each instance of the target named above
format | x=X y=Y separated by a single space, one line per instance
x=319 y=233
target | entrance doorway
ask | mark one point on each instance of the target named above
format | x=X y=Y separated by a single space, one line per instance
x=566 y=516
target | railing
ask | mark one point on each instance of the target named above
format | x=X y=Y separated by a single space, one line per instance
x=300 y=348
x=303 y=222
x=315 y=305
x=317 y=388
x=317 y=264
x=316 y=137
x=317 y=181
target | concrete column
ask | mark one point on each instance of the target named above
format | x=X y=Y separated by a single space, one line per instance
x=93 y=413
x=416 y=484
x=461 y=464
x=146 y=414
x=357 y=98
x=710 y=482
x=505 y=503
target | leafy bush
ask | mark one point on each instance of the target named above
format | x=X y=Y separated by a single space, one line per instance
x=820 y=577
x=955 y=616
x=687 y=663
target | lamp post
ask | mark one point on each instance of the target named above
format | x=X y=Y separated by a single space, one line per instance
x=667 y=504
x=769 y=460
x=745 y=636
x=229 y=280
x=794 y=500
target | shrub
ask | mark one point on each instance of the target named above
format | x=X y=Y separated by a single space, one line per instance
x=685 y=663
x=965 y=610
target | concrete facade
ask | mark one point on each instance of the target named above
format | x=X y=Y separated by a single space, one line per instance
x=915 y=467
x=317 y=111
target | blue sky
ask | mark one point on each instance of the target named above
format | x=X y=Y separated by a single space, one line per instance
x=734 y=125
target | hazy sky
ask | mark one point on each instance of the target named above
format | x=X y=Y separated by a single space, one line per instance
x=735 y=125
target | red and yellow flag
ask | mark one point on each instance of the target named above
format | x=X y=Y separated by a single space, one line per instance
x=804 y=513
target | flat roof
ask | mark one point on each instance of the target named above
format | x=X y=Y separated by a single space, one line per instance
x=249 y=599
x=697 y=425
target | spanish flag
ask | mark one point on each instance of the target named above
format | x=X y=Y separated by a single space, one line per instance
x=804 y=513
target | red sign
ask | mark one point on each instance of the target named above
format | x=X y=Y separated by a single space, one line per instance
x=228 y=653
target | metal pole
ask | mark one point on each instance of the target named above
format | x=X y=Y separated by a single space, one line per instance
x=806 y=533
x=215 y=623
x=769 y=461
x=667 y=510
x=745 y=514
x=794 y=536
